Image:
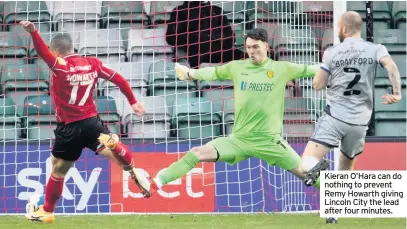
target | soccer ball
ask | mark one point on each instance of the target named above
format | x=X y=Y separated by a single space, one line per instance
x=34 y=203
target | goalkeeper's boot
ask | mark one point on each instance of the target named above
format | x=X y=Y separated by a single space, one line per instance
x=312 y=175
x=108 y=140
x=41 y=216
x=141 y=181
x=331 y=220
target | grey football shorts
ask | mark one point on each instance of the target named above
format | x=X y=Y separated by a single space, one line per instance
x=331 y=132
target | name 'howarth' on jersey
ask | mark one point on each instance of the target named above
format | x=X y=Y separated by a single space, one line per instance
x=82 y=77
x=353 y=61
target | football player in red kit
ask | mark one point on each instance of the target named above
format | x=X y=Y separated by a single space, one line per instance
x=78 y=125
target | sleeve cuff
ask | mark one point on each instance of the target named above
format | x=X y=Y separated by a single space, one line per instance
x=324 y=68
x=132 y=101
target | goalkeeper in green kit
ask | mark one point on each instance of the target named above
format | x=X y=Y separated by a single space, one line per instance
x=259 y=90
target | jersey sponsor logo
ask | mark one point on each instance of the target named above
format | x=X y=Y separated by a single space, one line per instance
x=82 y=77
x=353 y=61
x=80 y=68
x=248 y=86
x=194 y=192
x=83 y=68
x=77 y=188
x=270 y=74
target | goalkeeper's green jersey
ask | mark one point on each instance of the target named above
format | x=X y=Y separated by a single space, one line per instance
x=259 y=92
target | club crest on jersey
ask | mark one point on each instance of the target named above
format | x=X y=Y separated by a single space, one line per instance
x=270 y=74
x=61 y=61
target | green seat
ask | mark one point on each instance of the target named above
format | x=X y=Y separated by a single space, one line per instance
x=123 y=12
x=13 y=61
x=385 y=82
x=155 y=123
x=19 y=81
x=162 y=81
x=239 y=31
x=301 y=57
x=297 y=108
x=328 y=39
x=11 y=46
x=217 y=91
x=24 y=77
x=380 y=9
x=103 y=42
x=160 y=11
x=390 y=120
x=293 y=41
x=391 y=124
x=18 y=30
x=381 y=13
x=400 y=61
x=271 y=11
x=9 y=119
x=395 y=42
x=297 y=117
x=234 y=10
x=316 y=101
x=107 y=110
x=399 y=14
x=39 y=117
x=393 y=39
x=228 y=115
x=196 y=118
x=396 y=107
x=17 y=11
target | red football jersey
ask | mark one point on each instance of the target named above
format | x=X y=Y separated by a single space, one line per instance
x=73 y=82
x=72 y=86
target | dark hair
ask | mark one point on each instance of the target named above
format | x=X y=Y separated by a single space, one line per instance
x=62 y=42
x=257 y=34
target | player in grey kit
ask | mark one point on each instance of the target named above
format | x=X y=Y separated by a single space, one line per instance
x=349 y=69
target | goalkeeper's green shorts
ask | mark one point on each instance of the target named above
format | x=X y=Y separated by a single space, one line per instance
x=274 y=151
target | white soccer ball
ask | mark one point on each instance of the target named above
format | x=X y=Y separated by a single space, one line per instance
x=34 y=203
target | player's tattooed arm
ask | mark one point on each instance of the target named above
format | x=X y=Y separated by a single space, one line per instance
x=394 y=76
x=395 y=80
x=393 y=73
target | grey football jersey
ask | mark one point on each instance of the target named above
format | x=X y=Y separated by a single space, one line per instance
x=352 y=67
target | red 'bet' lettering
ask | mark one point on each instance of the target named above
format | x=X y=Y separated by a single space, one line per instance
x=192 y=193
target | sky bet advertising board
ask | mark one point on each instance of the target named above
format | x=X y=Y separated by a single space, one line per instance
x=95 y=185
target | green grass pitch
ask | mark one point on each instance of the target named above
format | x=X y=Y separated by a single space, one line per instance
x=255 y=221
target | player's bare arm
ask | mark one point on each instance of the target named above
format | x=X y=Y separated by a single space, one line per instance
x=320 y=80
x=39 y=44
x=394 y=77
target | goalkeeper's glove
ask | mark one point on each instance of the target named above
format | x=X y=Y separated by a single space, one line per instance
x=183 y=72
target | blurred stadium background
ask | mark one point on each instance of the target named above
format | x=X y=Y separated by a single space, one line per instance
x=131 y=38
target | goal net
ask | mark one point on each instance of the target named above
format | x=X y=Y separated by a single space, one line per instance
x=143 y=40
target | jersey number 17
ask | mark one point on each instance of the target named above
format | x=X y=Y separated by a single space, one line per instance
x=75 y=88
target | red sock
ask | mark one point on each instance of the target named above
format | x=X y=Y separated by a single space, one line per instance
x=52 y=193
x=122 y=153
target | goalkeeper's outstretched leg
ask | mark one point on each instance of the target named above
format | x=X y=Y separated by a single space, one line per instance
x=205 y=153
